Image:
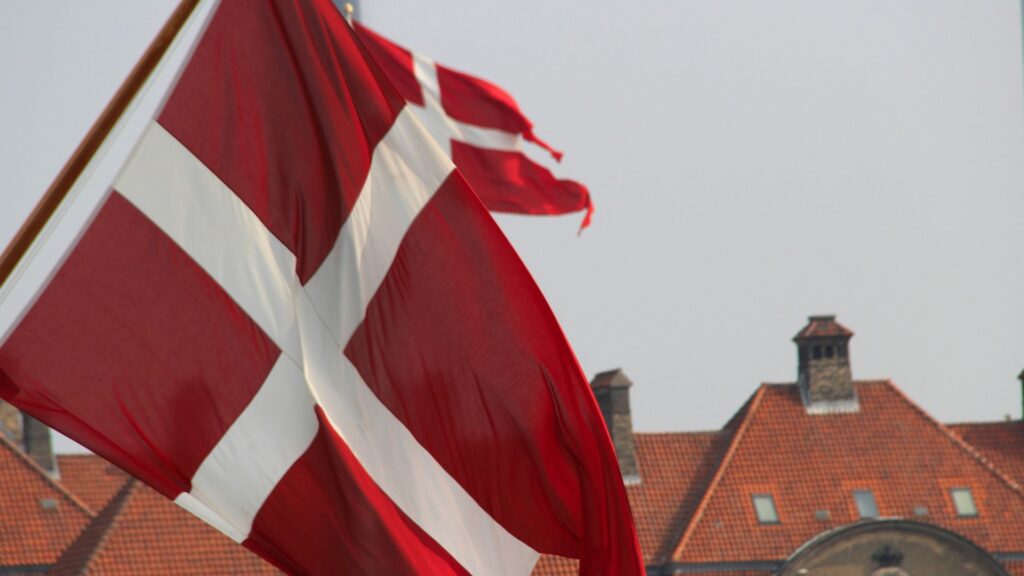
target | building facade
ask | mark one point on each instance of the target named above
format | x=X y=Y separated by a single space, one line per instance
x=825 y=475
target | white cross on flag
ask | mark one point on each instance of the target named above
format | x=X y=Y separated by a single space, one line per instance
x=480 y=127
x=272 y=298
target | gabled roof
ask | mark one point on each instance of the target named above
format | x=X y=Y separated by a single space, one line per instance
x=38 y=518
x=675 y=469
x=75 y=560
x=823 y=327
x=611 y=378
x=811 y=463
x=142 y=532
x=672 y=466
x=1002 y=443
x=693 y=505
x=91 y=478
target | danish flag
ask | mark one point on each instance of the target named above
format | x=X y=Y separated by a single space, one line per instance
x=274 y=299
x=480 y=127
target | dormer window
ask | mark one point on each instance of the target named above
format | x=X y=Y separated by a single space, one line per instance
x=867 y=507
x=963 y=502
x=764 y=507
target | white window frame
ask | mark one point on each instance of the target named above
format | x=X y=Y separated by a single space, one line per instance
x=765 y=515
x=963 y=502
x=867 y=504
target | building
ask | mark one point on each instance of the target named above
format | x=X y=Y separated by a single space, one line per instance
x=77 y=515
x=827 y=475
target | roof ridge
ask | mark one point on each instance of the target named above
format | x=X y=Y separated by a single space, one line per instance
x=104 y=523
x=77 y=455
x=961 y=443
x=698 y=512
x=680 y=433
x=984 y=423
x=855 y=381
x=28 y=461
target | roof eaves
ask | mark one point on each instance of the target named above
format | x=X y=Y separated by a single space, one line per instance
x=982 y=424
x=681 y=433
x=698 y=513
x=674 y=568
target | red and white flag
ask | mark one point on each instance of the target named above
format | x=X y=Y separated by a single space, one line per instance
x=274 y=299
x=480 y=127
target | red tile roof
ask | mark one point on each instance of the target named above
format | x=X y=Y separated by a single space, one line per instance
x=38 y=518
x=693 y=504
x=94 y=480
x=1014 y=567
x=141 y=532
x=549 y=565
x=823 y=326
x=75 y=559
x=814 y=462
x=675 y=468
x=1002 y=443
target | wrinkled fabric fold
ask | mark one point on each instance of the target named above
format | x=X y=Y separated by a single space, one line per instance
x=292 y=316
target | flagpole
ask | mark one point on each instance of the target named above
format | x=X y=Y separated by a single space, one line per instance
x=87 y=148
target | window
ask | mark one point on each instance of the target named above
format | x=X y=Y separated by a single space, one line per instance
x=963 y=501
x=866 y=505
x=829 y=352
x=764 y=507
x=817 y=352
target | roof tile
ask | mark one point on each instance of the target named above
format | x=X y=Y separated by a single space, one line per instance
x=1002 y=443
x=142 y=532
x=38 y=518
x=812 y=462
x=94 y=480
x=823 y=327
x=672 y=466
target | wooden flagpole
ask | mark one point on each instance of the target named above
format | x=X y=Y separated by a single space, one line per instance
x=87 y=148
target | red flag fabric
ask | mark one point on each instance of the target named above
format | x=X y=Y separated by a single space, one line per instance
x=290 y=314
x=481 y=128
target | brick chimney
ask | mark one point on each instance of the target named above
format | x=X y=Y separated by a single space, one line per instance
x=612 y=392
x=823 y=366
x=37 y=444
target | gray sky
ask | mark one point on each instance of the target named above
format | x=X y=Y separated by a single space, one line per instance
x=751 y=162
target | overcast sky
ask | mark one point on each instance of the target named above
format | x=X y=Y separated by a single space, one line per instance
x=751 y=162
